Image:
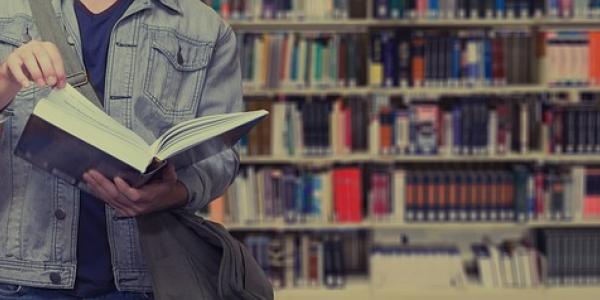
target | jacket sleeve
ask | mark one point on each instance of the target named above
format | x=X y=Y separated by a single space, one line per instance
x=222 y=93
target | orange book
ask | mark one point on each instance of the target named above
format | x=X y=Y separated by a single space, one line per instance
x=431 y=195
x=452 y=197
x=266 y=59
x=441 y=194
x=386 y=130
x=594 y=57
x=420 y=199
x=216 y=210
x=410 y=196
x=418 y=62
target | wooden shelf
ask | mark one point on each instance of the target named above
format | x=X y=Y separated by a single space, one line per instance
x=449 y=226
x=364 y=291
x=363 y=24
x=368 y=158
x=416 y=92
x=342 y=25
x=308 y=91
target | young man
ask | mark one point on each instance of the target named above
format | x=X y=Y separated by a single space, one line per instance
x=153 y=63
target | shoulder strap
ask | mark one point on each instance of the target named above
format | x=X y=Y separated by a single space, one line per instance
x=47 y=24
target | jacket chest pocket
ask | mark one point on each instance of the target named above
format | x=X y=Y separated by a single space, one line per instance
x=176 y=72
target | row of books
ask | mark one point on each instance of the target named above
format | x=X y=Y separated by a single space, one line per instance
x=511 y=264
x=308 y=10
x=485 y=194
x=572 y=57
x=554 y=257
x=572 y=256
x=441 y=58
x=487 y=126
x=485 y=9
x=308 y=259
x=380 y=193
x=471 y=125
x=422 y=58
x=295 y=60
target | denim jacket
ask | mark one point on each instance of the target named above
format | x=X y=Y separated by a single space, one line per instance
x=169 y=61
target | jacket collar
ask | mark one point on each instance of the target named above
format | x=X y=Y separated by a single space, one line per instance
x=172 y=4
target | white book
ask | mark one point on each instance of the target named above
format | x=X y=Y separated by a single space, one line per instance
x=278 y=129
x=374 y=137
x=492 y=143
x=399 y=196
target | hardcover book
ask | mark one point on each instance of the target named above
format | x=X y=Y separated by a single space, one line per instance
x=67 y=135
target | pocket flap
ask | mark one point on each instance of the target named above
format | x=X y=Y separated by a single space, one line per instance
x=183 y=53
x=12 y=33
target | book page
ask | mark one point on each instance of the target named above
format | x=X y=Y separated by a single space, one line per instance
x=201 y=130
x=70 y=111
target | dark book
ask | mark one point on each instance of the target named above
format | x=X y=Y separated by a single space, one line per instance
x=521 y=175
x=404 y=58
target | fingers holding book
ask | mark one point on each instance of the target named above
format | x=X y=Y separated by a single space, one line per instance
x=163 y=193
x=38 y=62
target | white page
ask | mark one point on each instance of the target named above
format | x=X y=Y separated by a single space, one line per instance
x=204 y=132
x=68 y=110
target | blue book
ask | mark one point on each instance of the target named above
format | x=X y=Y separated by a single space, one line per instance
x=553 y=8
x=456 y=60
x=388 y=52
x=299 y=198
x=500 y=9
x=289 y=197
x=307 y=195
x=457 y=128
x=381 y=9
x=488 y=61
x=294 y=62
x=317 y=196
x=433 y=8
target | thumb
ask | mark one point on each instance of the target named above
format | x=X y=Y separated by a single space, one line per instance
x=170 y=174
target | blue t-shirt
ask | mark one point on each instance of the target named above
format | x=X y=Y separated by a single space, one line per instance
x=94 y=267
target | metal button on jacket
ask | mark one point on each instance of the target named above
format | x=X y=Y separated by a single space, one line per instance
x=60 y=214
x=55 y=278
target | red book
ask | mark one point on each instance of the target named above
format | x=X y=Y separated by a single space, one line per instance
x=591 y=202
x=539 y=194
x=379 y=206
x=498 y=72
x=594 y=60
x=225 y=10
x=347 y=194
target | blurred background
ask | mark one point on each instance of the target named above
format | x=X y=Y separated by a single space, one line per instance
x=420 y=149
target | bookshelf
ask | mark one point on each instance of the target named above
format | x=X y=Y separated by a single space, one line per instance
x=383 y=225
x=365 y=158
x=432 y=92
x=362 y=25
x=362 y=291
x=362 y=22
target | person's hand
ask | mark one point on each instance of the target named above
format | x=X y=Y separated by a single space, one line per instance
x=38 y=62
x=161 y=194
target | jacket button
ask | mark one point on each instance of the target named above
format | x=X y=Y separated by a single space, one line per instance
x=55 y=278
x=60 y=214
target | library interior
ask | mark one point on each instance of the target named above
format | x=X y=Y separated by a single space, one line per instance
x=419 y=149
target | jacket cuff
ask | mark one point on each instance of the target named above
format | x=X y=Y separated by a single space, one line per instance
x=198 y=185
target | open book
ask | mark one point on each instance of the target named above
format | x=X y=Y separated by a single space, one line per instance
x=67 y=135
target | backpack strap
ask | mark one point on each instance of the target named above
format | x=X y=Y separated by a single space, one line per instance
x=48 y=25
